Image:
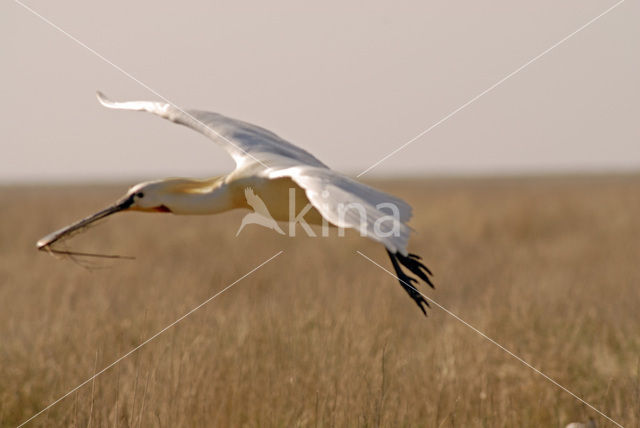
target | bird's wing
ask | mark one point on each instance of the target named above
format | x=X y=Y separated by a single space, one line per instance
x=349 y=204
x=245 y=142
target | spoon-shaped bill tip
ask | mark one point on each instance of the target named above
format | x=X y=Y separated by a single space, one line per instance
x=45 y=242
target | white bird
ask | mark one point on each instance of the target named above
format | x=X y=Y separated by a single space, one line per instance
x=271 y=166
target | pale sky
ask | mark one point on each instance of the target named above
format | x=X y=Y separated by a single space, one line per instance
x=348 y=81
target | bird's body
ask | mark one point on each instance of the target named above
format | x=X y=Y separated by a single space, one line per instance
x=284 y=179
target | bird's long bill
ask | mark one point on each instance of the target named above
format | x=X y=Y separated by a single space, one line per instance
x=46 y=242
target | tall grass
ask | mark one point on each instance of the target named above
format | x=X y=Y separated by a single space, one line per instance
x=548 y=267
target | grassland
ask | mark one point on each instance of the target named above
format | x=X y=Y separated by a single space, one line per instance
x=548 y=267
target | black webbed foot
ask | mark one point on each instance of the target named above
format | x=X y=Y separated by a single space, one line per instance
x=409 y=283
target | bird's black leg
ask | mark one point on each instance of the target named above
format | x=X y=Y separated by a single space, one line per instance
x=408 y=282
x=413 y=263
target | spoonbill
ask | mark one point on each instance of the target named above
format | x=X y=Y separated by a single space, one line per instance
x=270 y=166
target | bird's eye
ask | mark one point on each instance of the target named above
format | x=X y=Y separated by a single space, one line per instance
x=140 y=195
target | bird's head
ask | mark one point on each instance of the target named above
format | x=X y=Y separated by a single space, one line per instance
x=171 y=195
x=149 y=196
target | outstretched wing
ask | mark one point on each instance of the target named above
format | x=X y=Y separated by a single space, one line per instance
x=258 y=151
x=349 y=204
x=245 y=142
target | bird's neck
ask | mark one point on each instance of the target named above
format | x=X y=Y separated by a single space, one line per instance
x=191 y=196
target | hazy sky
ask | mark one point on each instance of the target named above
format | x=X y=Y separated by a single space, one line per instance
x=349 y=81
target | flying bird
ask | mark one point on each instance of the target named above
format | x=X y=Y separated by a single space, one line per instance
x=270 y=166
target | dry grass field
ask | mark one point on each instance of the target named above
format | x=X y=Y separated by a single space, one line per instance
x=548 y=267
